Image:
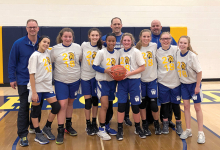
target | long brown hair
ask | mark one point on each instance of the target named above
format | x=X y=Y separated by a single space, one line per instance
x=139 y=43
x=189 y=45
x=99 y=42
x=59 y=40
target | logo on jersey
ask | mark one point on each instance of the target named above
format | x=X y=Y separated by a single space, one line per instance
x=170 y=58
x=94 y=54
x=48 y=60
x=149 y=55
x=183 y=66
x=113 y=62
x=153 y=91
x=194 y=97
x=178 y=98
x=71 y=55
x=127 y=60
x=136 y=98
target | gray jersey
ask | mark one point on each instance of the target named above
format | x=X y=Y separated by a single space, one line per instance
x=66 y=61
x=105 y=60
x=40 y=65
x=149 y=55
x=166 y=62
x=131 y=60
x=188 y=66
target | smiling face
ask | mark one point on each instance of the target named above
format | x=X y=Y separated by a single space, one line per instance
x=127 y=42
x=44 y=44
x=94 y=37
x=32 y=28
x=183 y=44
x=145 y=38
x=67 y=38
x=116 y=26
x=110 y=41
x=156 y=27
x=165 y=40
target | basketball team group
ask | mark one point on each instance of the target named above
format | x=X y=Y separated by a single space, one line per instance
x=157 y=69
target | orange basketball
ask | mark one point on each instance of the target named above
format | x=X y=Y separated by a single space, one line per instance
x=118 y=72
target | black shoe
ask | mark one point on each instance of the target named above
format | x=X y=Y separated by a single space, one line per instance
x=69 y=129
x=128 y=121
x=139 y=131
x=60 y=136
x=171 y=124
x=119 y=135
x=157 y=128
x=146 y=129
x=89 y=129
x=95 y=128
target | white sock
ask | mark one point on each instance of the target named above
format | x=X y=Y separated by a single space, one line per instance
x=189 y=130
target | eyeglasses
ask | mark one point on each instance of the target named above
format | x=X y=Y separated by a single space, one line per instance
x=163 y=39
x=35 y=27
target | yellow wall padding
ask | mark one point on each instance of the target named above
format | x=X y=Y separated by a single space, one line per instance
x=177 y=32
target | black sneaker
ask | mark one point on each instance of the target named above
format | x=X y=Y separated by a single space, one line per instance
x=157 y=128
x=89 y=129
x=24 y=141
x=128 y=121
x=139 y=131
x=95 y=128
x=165 y=129
x=146 y=129
x=60 y=136
x=171 y=124
x=119 y=135
x=69 y=129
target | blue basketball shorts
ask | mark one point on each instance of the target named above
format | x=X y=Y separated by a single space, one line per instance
x=106 y=88
x=41 y=95
x=149 y=89
x=89 y=87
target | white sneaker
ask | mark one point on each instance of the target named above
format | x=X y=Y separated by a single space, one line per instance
x=201 y=138
x=32 y=131
x=185 y=134
x=103 y=134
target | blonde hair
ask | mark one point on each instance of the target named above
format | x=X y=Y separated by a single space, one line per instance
x=165 y=33
x=189 y=45
x=59 y=40
x=131 y=36
x=139 y=43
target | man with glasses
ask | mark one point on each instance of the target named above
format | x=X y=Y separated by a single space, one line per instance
x=19 y=76
x=156 y=32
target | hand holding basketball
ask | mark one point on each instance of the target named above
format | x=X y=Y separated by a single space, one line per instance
x=118 y=72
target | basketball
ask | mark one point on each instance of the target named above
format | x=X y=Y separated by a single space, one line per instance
x=118 y=72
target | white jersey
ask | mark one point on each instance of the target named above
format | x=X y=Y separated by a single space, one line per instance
x=188 y=66
x=66 y=61
x=131 y=60
x=166 y=62
x=106 y=60
x=149 y=55
x=40 y=65
x=89 y=54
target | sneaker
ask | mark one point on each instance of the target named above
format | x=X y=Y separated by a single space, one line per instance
x=127 y=121
x=110 y=130
x=179 y=129
x=24 y=141
x=185 y=134
x=103 y=134
x=165 y=129
x=40 y=138
x=48 y=133
x=89 y=129
x=171 y=124
x=157 y=128
x=201 y=138
x=146 y=129
x=32 y=131
x=69 y=129
x=95 y=128
x=139 y=131
x=119 y=135
x=60 y=136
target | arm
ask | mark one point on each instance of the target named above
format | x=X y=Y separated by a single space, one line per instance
x=34 y=93
x=198 y=82
x=139 y=70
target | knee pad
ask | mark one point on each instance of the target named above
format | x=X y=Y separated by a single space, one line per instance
x=95 y=101
x=121 y=107
x=153 y=105
x=176 y=110
x=135 y=109
x=88 y=104
x=165 y=110
x=35 y=111
x=55 y=107
x=143 y=103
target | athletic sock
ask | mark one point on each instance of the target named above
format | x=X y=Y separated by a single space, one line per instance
x=94 y=120
x=48 y=124
x=68 y=120
x=37 y=130
x=144 y=121
x=60 y=126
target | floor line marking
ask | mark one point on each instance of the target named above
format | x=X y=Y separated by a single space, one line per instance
x=101 y=141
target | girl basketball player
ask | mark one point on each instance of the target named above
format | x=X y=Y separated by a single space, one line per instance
x=168 y=82
x=148 y=80
x=132 y=59
x=66 y=56
x=40 y=86
x=106 y=85
x=190 y=74
x=88 y=81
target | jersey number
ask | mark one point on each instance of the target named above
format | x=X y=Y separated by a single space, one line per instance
x=71 y=63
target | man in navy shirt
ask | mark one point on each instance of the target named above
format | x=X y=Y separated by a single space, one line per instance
x=116 y=25
x=19 y=75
